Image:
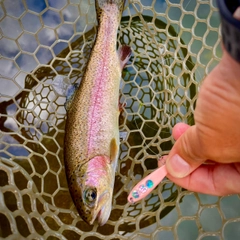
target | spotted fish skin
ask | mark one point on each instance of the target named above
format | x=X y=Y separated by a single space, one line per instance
x=91 y=142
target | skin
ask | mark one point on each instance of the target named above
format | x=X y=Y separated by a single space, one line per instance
x=92 y=133
x=214 y=138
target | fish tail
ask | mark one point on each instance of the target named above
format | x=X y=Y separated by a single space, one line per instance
x=101 y=5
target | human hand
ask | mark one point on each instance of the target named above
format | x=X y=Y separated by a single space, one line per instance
x=215 y=136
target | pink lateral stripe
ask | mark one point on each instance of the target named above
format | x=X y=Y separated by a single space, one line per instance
x=109 y=32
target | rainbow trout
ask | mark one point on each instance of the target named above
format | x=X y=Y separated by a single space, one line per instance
x=92 y=133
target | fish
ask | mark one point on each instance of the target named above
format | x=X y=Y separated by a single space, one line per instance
x=91 y=142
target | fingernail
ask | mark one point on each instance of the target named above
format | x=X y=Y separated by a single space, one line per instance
x=177 y=166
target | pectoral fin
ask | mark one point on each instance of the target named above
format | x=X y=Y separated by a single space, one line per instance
x=114 y=148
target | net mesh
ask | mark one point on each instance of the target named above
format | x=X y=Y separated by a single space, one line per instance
x=175 y=44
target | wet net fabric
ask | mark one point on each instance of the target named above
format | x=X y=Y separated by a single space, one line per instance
x=175 y=44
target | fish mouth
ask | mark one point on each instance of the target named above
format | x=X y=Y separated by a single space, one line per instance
x=103 y=210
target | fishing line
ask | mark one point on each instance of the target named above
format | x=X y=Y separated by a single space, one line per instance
x=166 y=112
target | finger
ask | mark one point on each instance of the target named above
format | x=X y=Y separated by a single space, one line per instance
x=179 y=129
x=187 y=154
x=217 y=179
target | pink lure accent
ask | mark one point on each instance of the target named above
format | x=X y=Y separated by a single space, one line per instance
x=147 y=185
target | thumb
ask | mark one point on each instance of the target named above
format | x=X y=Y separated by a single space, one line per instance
x=186 y=154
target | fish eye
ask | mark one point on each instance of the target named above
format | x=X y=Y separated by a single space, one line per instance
x=90 y=196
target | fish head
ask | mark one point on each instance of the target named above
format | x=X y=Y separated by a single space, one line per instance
x=92 y=190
